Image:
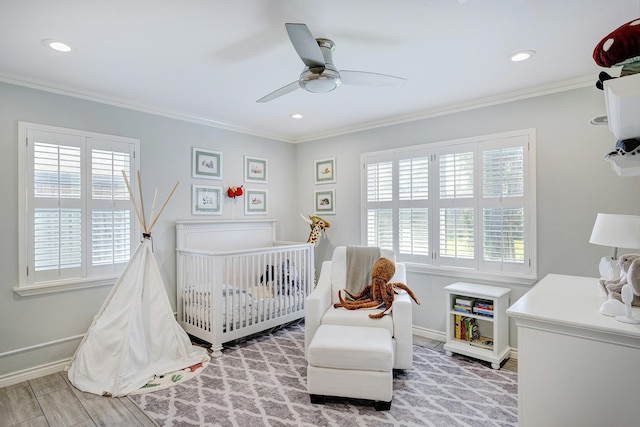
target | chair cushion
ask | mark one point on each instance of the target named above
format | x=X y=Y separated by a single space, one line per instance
x=351 y=347
x=342 y=316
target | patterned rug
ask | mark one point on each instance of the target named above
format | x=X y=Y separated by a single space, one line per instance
x=262 y=382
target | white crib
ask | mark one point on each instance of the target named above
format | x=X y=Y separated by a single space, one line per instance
x=234 y=279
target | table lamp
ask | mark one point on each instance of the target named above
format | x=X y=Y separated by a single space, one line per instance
x=617 y=231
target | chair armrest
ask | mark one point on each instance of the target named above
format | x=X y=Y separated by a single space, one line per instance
x=403 y=330
x=316 y=304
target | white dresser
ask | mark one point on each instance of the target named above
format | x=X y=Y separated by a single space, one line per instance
x=576 y=367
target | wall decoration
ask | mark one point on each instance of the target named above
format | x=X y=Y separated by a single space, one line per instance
x=325 y=202
x=255 y=169
x=325 y=171
x=206 y=200
x=206 y=164
x=255 y=202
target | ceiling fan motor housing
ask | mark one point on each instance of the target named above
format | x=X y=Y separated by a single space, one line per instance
x=317 y=79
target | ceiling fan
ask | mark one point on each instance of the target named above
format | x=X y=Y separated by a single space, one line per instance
x=319 y=74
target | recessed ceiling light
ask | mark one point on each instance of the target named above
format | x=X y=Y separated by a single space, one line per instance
x=57 y=45
x=296 y=116
x=522 y=55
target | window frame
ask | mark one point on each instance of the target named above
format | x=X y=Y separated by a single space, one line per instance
x=90 y=276
x=434 y=263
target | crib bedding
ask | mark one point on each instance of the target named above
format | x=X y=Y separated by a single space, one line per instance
x=255 y=304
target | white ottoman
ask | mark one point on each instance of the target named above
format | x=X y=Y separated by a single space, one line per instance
x=351 y=361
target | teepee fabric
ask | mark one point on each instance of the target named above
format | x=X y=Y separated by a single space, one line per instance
x=134 y=336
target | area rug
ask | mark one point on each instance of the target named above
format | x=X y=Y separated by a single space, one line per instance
x=262 y=382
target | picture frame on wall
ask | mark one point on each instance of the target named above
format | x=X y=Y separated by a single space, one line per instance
x=206 y=200
x=325 y=171
x=255 y=169
x=325 y=202
x=206 y=163
x=255 y=202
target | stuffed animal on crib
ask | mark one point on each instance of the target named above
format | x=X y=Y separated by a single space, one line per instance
x=379 y=293
x=282 y=280
x=318 y=227
x=630 y=268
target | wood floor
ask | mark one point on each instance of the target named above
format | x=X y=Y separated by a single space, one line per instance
x=53 y=401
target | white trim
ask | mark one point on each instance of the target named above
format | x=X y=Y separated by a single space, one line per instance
x=63 y=286
x=32 y=373
x=557 y=87
x=429 y=334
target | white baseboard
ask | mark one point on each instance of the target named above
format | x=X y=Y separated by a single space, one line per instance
x=429 y=334
x=35 y=372
x=442 y=336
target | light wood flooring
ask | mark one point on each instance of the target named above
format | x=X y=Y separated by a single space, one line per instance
x=52 y=401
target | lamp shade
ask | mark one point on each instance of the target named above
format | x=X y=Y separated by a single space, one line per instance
x=618 y=231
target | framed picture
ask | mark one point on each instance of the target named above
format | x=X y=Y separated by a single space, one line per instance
x=206 y=200
x=325 y=202
x=255 y=169
x=255 y=202
x=325 y=171
x=206 y=164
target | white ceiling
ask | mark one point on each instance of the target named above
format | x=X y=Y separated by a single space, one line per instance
x=208 y=61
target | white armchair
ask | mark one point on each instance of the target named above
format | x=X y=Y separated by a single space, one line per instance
x=319 y=308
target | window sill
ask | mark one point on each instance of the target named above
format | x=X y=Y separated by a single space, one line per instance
x=63 y=286
x=477 y=275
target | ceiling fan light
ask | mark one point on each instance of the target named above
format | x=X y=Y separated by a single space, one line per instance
x=320 y=83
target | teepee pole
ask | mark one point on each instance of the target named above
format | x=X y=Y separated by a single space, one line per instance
x=153 y=206
x=144 y=217
x=133 y=201
x=163 y=206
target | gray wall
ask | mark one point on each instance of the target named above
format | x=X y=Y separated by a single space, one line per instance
x=165 y=146
x=573 y=185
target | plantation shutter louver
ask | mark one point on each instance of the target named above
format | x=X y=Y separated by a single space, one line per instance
x=457 y=219
x=379 y=204
x=413 y=212
x=503 y=206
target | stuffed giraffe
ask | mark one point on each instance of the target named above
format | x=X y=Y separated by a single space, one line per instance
x=318 y=226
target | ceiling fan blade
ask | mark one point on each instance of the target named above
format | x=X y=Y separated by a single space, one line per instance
x=280 y=92
x=306 y=45
x=363 y=78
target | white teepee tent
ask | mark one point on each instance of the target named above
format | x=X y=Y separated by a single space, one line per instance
x=134 y=336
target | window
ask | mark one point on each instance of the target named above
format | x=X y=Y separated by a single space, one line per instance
x=77 y=226
x=464 y=204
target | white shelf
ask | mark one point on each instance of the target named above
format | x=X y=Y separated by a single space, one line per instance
x=496 y=327
x=622 y=98
x=626 y=165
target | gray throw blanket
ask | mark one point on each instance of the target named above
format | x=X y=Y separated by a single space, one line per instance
x=360 y=259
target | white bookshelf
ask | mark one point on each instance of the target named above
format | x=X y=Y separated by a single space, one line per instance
x=494 y=327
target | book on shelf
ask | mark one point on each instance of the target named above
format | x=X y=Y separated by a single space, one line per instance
x=483 y=342
x=486 y=306
x=482 y=312
x=465 y=302
x=466 y=328
x=462 y=308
